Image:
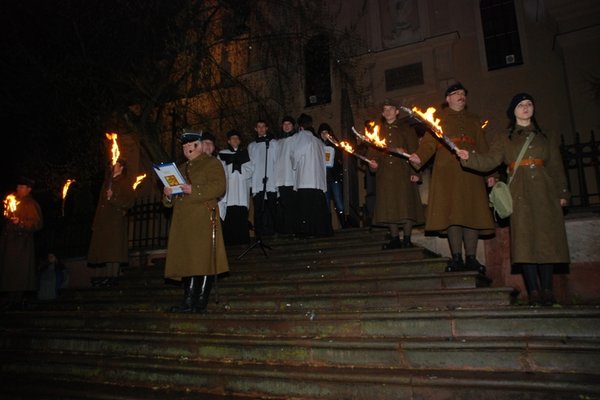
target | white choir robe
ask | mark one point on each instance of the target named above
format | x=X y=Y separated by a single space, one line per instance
x=256 y=151
x=284 y=173
x=307 y=154
x=238 y=185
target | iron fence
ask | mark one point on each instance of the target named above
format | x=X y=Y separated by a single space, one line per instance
x=581 y=167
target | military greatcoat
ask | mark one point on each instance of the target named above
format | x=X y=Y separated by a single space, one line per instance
x=537 y=228
x=190 y=248
x=109 y=242
x=397 y=198
x=456 y=196
x=17 y=248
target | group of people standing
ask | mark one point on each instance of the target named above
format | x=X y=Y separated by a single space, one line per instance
x=288 y=179
x=292 y=178
x=458 y=202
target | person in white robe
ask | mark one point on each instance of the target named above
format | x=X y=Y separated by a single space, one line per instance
x=263 y=154
x=238 y=171
x=307 y=155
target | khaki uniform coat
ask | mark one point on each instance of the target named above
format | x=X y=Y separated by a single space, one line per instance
x=189 y=252
x=397 y=198
x=17 y=248
x=456 y=196
x=537 y=225
x=109 y=242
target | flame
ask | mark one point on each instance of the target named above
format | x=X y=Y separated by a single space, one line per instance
x=65 y=188
x=372 y=133
x=485 y=124
x=10 y=205
x=138 y=180
x=346 y=147
x=428 y=117
x=115 y=146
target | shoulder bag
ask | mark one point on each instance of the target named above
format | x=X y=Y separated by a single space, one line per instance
x=500 y=197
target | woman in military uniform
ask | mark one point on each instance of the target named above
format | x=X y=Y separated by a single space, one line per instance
x=539 y=191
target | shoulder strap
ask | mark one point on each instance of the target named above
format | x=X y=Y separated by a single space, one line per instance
x=520 y=156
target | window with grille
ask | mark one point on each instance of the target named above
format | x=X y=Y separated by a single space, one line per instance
x=500 y=34
x=317 y=70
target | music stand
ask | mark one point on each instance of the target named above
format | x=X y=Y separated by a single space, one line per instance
x=258 y=239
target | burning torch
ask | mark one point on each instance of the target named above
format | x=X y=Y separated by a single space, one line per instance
x=372 y=137
x=65 y=190
x=347 y=147
x=138 y=180
x=432 y=123
x=10 y=206
x=115 y=153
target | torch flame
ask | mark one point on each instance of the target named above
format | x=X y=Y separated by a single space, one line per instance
x=373 y=135
x=138 y=180
x=115 y=146
x=428 y=116
x=346 y=147
x=10 y=205
x=485 y=124
x=65 y=189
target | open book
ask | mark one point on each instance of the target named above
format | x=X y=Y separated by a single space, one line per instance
x=170 y=176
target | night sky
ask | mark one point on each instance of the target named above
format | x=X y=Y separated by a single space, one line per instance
x=63 y=66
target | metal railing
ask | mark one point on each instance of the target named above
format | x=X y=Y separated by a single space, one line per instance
x=581 y=167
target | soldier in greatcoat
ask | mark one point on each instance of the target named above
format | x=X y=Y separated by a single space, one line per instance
x=109 y=243
x=397 y=200
x=458 y=200
x=539 y=191
x=196 y=251
x=17 y=247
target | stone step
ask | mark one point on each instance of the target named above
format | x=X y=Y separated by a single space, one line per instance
x=154 y=275
x=320 y=284
x=509 y=322
x=564 y=355
x=353 y=254
x=300 y=302
x=195 y=377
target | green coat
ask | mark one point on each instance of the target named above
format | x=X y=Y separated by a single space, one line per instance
x=17 y=248
x=397 y=198
x=189 y=252
x=537 y=226
x=109 y=242
x=456 y=196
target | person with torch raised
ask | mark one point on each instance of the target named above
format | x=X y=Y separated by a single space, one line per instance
x=109 y=243
x=196 y=250
x=397 y=199
x=17 y=247
x=458 y=201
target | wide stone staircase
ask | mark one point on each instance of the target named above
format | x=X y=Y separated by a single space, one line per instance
x=332 y=318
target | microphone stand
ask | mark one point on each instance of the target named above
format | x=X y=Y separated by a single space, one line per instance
x=258 y=239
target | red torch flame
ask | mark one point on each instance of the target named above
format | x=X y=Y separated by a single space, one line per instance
x=10 y=205
x=138 y=180
x=433 y=121
x=372 y=134
x=116 y=153
x=65 y=188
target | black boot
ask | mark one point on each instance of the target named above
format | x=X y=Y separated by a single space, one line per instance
x=471 y=264
x=189 y=296
x=342 y=219
x=406 y=243
x=456 y=263
x=394 y=243
x=203 y=292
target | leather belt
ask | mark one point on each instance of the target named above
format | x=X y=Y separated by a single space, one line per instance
x=531 y=162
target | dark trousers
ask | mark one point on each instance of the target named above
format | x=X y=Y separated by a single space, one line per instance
x=286 y=209
x=264 y=213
